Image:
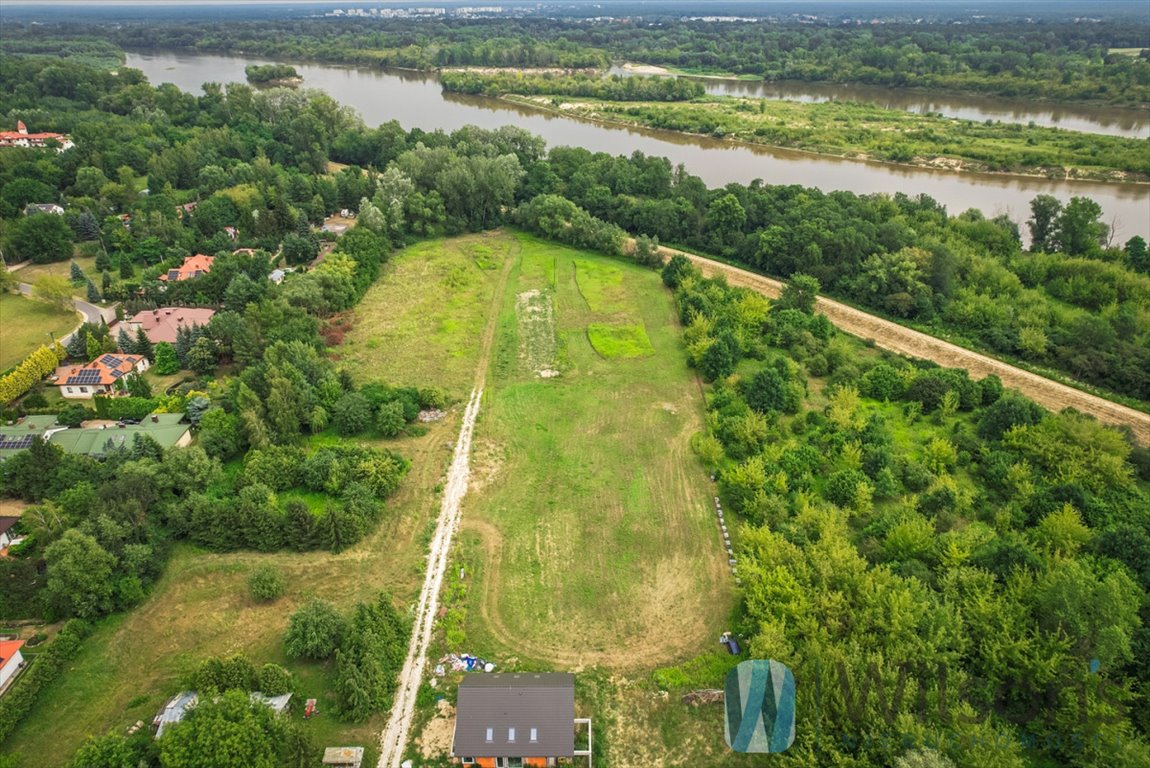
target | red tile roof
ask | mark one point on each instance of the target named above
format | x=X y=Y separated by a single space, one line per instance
x=193 y=266
x=8 y=649
x=162 y=324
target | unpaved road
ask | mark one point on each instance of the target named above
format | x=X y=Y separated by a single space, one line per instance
x=394 y=737
x=898 y=338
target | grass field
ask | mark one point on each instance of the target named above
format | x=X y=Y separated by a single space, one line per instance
x=33 y=272
x=421 y=323
x=25 y=324
x=597 y=543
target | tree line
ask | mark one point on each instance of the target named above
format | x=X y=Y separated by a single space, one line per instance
x=1050 y=60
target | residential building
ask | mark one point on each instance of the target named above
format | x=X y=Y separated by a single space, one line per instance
x=517 y=720
x=22 y=138
x=99 y=377
x=164 y=323
x=343 y=757
x=6 y=535
x=52 y=208
x=193 y=266
x=167 y=429
x=10 y=660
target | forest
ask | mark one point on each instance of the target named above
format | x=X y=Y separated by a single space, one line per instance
x=1052 y=61
x=947 y=562
x=922 y=517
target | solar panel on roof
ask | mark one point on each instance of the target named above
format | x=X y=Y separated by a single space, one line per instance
x=15 y=443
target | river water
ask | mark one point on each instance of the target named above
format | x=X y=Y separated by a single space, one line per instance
x=416 y=100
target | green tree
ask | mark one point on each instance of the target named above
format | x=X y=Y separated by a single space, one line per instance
x=110 y=751
x=167 y=362
x=389 y=420
x=79 y=575
x=1079 y=230
x=352 y=414
x=94 y=296
x=202 y=356
x=54 y=290
x=75 y=274
x=1137 y=255
x=229 y=730
x=143 y=346
x=42 y=238
x=1043 y=223
x=314 y=631
x=219 y=433
x=799 y=293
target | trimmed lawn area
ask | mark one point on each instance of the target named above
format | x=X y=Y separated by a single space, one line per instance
x=422 y=321
x=25 y=324
x=591 y=519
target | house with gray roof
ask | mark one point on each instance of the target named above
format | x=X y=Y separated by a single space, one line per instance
x=514 y=720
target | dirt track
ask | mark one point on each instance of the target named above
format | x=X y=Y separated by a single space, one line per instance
x=393 y=740
x=906 y=341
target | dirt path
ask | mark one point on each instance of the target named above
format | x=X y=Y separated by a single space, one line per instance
x=394 y=737
x=906 y=341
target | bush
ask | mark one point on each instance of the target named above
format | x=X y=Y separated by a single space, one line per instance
x=265 y=583
x=73 y=415
x=274 y=680
x=389 y=420
x=352 y=414
x=315 y=631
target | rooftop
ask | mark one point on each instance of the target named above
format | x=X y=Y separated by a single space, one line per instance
x=8 y=649
x=162 y=324
x=515 y=715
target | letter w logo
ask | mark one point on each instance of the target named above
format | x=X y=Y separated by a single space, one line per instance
x=856 y=706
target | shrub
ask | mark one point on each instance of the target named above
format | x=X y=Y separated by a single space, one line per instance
x=315 y=631
x=352 y=414
x=265 y=583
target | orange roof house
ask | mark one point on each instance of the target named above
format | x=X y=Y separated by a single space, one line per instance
x=193 y=266
x=22 y=138
x=98 y=377
x=164 y=323
x=10 y=660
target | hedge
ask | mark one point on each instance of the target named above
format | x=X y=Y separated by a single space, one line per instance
x=30 y=371
x=21 y=697
x=123 y=407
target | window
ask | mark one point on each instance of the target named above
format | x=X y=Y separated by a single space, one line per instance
x=534 y=735
x=515 y=762
x=83 y=390
x=469 y=761
x=490 y=735
x=511 y=734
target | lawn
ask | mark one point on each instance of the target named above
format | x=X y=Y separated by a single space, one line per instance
x=33 y=272
x=201 y=608
x=25 y=324
x=421 y=323
x=591 y=517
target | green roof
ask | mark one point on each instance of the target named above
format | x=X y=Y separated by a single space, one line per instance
x=166 y=430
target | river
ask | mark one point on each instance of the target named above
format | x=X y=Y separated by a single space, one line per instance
x=416 y=100
x=1111 y=121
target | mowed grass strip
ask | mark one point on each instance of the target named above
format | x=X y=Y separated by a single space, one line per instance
x=421 y=323
x=624 y=341
x=599 y=541
x=26 y=324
